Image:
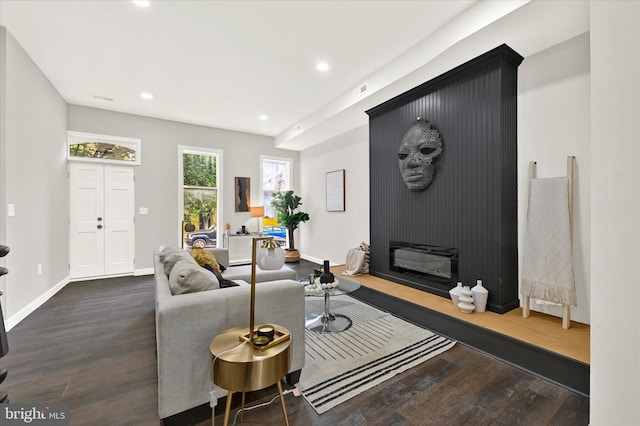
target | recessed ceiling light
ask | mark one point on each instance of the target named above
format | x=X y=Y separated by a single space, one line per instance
x=141 y=3
x=263 y=117
x=322 y=66
x=146 y=95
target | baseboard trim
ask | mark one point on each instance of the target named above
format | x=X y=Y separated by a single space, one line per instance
x=318 y=260
x=559 y=369
x=35 y=304
x=143 y=271
x=311 y=258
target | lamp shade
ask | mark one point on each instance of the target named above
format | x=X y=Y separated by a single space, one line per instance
x=270 y=256
x=256 y=211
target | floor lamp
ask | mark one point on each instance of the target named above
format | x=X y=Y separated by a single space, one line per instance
x=269 y=257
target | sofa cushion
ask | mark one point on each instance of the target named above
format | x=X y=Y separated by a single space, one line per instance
x=189 y=277
x=171 y=259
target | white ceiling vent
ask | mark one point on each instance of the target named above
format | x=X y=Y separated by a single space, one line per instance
x=103 y=98
x=360 y=90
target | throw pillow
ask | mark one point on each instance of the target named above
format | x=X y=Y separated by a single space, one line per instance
x=224 y=283
x=171 y=259
x=205 y=257
x=167 y=251
x=189 y=277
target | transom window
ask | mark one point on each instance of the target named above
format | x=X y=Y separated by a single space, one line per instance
x=103 y=148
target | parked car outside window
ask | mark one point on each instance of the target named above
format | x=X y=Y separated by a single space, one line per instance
x=279 y=233
x=202 y=238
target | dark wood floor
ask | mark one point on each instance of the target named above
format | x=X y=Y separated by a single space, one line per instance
x=93 y=346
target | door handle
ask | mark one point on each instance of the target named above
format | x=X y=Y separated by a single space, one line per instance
x=99 y=219
x=99 y=226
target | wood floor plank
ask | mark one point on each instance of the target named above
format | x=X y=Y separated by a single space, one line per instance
x=539 y=329
x=92 y=346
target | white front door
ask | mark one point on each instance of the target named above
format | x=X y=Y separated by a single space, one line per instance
x=118 y=218
x=101 y=220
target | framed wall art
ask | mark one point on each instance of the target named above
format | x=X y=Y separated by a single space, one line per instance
x=335 y=191
x=242 y=194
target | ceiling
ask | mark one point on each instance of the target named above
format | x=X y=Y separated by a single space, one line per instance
x=218 y=63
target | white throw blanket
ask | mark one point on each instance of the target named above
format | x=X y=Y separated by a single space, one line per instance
x=547 y=265
x=358 y=260
x=355 y=262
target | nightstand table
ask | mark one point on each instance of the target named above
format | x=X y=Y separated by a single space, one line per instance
x=244 y=369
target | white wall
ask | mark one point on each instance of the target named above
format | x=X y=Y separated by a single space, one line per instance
x=34 y=179
x=553 y=123
x=328 y=235
x=615 y=212
x=157 y=178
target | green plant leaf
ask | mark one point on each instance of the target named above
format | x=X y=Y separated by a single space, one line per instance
x=286 y=204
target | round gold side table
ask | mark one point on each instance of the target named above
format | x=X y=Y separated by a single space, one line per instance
x=239 y=367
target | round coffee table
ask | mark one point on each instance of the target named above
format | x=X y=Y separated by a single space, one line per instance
x=326 y=322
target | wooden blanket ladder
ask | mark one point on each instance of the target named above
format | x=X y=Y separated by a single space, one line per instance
x=526 y=301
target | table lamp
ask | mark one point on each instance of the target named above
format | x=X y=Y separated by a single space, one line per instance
x=269 y=257
x=257 y=211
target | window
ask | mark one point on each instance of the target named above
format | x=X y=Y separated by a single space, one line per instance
x=201 y=197
x=103 y=148
x=276 y=177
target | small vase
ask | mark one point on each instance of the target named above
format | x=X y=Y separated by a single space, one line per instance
x=455 y=293
x=327 y=276
x=480 y=296
x=466 y=300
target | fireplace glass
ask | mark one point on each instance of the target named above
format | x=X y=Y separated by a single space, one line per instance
x=433 y=263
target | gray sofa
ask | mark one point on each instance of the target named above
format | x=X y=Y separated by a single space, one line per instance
x=186 y=324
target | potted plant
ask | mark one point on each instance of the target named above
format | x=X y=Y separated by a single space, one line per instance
x=286 y=204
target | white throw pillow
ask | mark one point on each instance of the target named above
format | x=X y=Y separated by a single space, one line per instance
x=167 y=251
x=189 y=277
x=171 y=259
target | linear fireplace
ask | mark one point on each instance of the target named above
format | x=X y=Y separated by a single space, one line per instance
x=424 y=264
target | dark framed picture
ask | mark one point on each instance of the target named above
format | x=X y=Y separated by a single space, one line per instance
x=242 y=197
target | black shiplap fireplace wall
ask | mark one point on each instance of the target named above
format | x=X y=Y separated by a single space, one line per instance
x=471 y=204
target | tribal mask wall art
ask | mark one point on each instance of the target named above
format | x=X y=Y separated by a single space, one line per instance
x=420 y=147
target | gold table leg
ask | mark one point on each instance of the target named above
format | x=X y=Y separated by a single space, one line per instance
x=284 y=409
x=242 y=408
x=228 y=409
x=228 y=406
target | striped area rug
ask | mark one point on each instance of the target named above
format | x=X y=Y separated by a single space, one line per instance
x=339 y=366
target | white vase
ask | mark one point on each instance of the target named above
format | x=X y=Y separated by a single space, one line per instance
x=480 y=296
x=466 y=300
x=455 y=294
